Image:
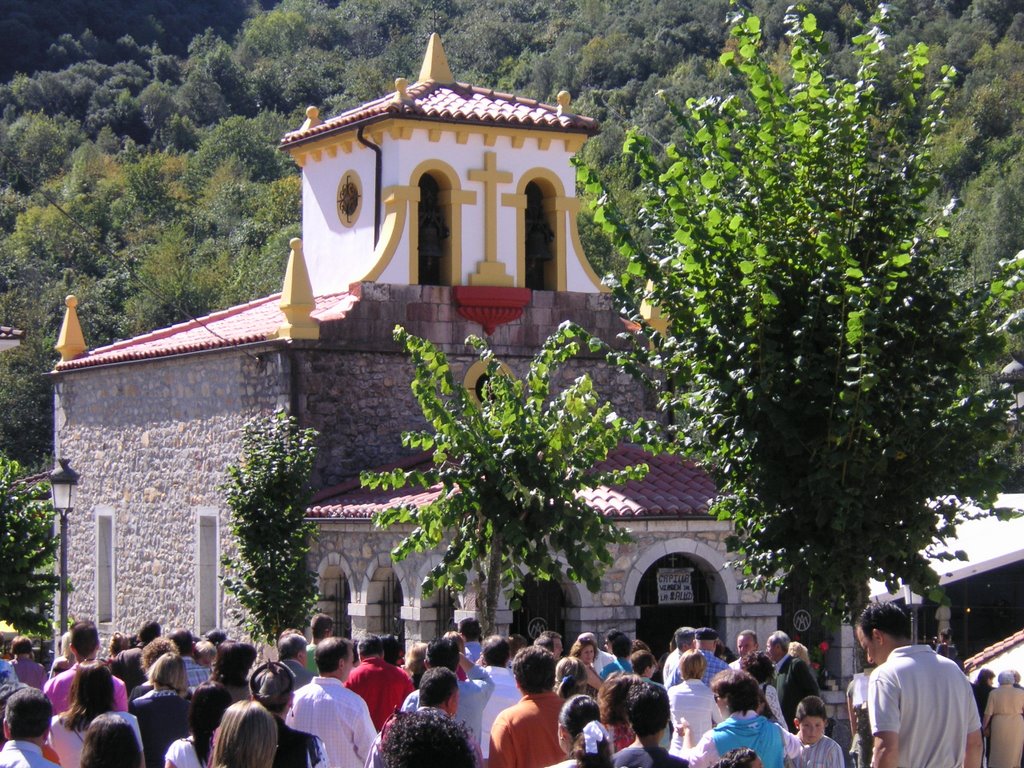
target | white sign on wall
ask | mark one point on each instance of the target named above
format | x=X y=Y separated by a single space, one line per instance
x=675 y=585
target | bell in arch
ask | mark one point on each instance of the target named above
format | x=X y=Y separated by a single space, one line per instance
x=432 y=232
x=538 y=239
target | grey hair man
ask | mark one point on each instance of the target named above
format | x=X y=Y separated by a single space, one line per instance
x=291 y=651
x=682 y=641
x=794 y=680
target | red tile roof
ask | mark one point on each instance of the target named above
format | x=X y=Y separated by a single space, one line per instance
x=453 y=103
x=242 y=324
x=7 y=333
x=673 y=487
x=984 y=657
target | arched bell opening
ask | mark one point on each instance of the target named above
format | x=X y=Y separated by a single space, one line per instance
x=434 y=241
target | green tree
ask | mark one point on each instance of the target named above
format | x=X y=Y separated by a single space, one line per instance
x=511 y=467
x=27 y=550
x=820 y=355
x=267 y=492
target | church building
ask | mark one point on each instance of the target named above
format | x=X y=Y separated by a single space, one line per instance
x=449 y=209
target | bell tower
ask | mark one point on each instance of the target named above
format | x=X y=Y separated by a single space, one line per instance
x=443 y=183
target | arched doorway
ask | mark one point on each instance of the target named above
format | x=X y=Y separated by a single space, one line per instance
x=542 y=607
x=335 y=595
x=673 y=592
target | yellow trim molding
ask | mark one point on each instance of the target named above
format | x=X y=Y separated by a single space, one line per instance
x=490 y=271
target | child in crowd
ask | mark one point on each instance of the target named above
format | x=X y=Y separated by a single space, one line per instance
x=819 y=750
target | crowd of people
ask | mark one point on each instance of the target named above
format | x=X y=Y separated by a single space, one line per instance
x=465 y=701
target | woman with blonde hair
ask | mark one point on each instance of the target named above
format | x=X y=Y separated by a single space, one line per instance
x=571 y=678
x=799 y=651
x=163 y=712
x=691 y=700
x=415 y=663
x=247 y=737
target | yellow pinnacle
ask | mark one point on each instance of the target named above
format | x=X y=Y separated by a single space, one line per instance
x=70 y=342
x=312 y=119
x=435 y=63
x=297 y=301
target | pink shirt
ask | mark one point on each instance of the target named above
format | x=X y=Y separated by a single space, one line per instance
x=57 y=690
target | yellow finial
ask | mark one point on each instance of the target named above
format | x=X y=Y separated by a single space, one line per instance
x=401 y=88
x=435 y=63
x=564 y=100
x=312 y=119
x=651 y=314
x=297 y=302
x=70 y=342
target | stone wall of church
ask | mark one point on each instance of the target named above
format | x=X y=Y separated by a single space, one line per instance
x=353 y=386
x=151 y=441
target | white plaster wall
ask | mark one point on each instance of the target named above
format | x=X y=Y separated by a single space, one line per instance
x=338 y=255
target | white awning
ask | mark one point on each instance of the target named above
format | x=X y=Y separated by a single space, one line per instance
x=990 y=543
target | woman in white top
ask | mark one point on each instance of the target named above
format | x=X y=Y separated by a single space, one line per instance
x=692 y=701
x=210 y=701
x=91 y=695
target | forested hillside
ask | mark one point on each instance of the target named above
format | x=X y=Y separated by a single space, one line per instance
x=138 y=161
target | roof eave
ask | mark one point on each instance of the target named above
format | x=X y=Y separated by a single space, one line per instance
x=363 y=122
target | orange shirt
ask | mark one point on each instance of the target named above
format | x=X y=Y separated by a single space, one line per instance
x=526 y=734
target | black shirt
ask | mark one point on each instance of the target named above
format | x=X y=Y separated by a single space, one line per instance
x=647 y=757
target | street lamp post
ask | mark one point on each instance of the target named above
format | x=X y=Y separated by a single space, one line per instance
x=63 y=480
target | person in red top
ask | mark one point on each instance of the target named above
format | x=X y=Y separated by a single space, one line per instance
x=381 y=685
x=526 y=734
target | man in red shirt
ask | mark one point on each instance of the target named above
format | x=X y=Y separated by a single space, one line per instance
x=526 y=734
x=381 y=685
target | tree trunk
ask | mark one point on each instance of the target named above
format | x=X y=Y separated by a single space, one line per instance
x=488 y=586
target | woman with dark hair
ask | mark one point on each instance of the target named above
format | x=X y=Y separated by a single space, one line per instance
x=210 y=701
x=580 y=713
x=762 y=668
x=738 y=695
x=91 y=695
x=110 y=742
x=231 y=668
x=611 y=699
x=427 y=737
x=163 y=712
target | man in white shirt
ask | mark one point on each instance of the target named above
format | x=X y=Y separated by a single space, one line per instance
x=26 y=723
x=474 y=692
x=494 y=659
x=921 y=705
x=327 y=709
